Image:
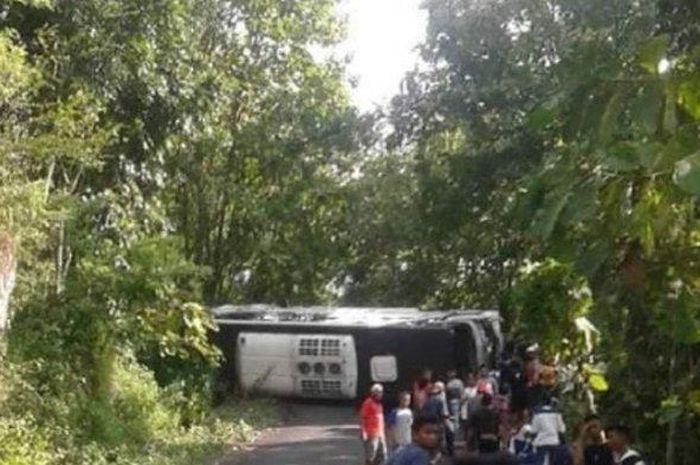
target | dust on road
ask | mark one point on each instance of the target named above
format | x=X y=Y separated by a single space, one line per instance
x=312 y=434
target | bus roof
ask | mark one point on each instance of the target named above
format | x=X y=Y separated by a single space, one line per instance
x=346 y=316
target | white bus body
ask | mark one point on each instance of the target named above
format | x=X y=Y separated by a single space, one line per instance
x=297 y=365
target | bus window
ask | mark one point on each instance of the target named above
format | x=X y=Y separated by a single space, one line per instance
x=383 y=369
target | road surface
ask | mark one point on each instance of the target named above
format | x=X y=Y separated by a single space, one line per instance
x=312 y=434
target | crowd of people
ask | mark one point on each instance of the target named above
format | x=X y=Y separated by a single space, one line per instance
x=512 y=413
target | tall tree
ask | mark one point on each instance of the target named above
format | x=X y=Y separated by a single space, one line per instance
x=568 y=130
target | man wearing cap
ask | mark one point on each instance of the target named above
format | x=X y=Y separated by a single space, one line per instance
x=372 y=426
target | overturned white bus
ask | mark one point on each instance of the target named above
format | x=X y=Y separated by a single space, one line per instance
x=336 y=353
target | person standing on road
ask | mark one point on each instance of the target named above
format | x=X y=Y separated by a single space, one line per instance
x=520 y=440
x=425 y=446
x=372 y=426
x=436 y=407
x=484 y=427
x=486 y=384
x=548 y=427
x=421 y=390
x=509 y=371
x=455 y=394
x=470 y=398
x=402 y=422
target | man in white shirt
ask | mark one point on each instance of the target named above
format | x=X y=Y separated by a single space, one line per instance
x=547 y=427
x=454 y=391
x=403 y=421
x=470 y=398
x=619 y=439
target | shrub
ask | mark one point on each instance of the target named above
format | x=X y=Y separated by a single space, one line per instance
x=174 y=343
x=23 y=443
x=140 y=406
x=139 y=424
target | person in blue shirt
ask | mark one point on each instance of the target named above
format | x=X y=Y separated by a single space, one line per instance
x=436 y=405
x=425 y=432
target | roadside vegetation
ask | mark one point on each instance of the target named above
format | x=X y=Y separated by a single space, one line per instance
x=158 y=157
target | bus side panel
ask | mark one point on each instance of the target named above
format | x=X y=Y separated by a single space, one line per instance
x=264 y=363
x=415 y=350
x=293 y=364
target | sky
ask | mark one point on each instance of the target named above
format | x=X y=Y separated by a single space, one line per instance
x=381 y=39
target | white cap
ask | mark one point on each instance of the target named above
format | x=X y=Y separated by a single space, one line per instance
x=376 y=388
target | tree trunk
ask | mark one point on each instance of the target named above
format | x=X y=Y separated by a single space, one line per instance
x=64 y=257
x=8 y=269
x=673 y=424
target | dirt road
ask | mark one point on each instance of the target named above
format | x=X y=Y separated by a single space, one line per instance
x=312 y=434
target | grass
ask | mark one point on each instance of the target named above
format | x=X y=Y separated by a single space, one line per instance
x=228 y=427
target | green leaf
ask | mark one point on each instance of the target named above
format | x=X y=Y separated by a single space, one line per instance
x=650 y=154
x=689 y=96
x=563 y=248
x=646 y=238
x=547 y=217
x=545 y=114
x=582 y=205
x=670 y=115
x=37 y=3
x=694 y=401
x=591 y=259
x=646 y=107
x=597 y=382
x=679 y=320
x=652 y=52
x=684 y=143
x=671 y=409
x=540 y=118
x=687 y=174
x=621 y=158
x=613 y=109
x=686 y=328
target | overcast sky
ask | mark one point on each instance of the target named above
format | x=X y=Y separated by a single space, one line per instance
x=381 y=38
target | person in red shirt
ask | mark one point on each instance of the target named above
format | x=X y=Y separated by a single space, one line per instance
x=372 y=425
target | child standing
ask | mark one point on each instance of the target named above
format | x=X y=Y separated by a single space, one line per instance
x=402 y=422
